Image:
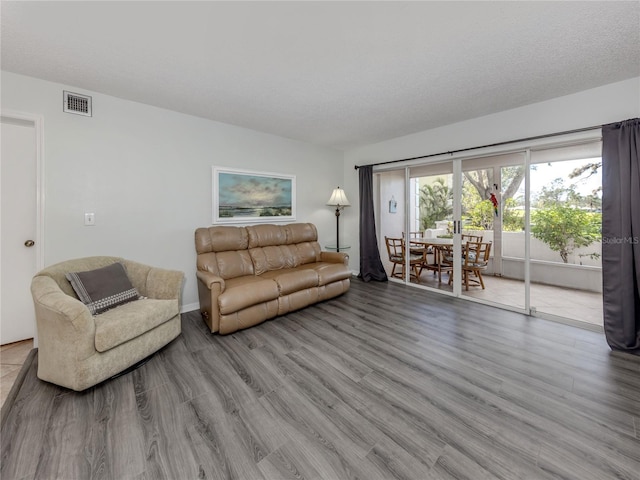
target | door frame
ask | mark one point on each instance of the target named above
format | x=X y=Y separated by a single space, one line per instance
x=38 y=124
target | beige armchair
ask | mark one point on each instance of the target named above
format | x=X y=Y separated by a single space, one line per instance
x=77 y=349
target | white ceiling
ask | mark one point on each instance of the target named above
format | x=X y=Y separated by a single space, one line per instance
x=338 y=74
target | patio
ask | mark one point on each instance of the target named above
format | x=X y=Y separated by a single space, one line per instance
x=577 y=305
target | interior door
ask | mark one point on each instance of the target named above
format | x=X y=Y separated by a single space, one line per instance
x=18 y=256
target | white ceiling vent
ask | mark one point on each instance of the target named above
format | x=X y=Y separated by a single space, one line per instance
x=76 y=103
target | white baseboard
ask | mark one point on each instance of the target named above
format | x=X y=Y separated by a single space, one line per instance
x=189 y=307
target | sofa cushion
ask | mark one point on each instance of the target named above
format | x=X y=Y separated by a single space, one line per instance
x=274 y=257
x=233 y=264
x=221 y=239
x=307 y=252
x=266 y=235
x=243 y=292
x=328 y=272
x=131 y=320
x=293 y=280
x=103 y=288
x=301 y=232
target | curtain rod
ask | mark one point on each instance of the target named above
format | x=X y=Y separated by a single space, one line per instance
x=566 y=132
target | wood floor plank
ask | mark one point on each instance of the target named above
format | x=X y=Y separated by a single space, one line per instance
x=332 y=446
x=219 y=378
x=454 y=465
x=396 y=462
x=237 y=447
x=474 y=433
x=246 y=366
x=288 y=462
x=384 y=382
x=22 y=433
x=69 y=447
x=166 y=446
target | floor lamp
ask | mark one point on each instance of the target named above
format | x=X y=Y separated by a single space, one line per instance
x=339 y=200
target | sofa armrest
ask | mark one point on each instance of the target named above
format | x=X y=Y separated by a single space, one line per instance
x=335 y=257
x=209 y=279
x=210 y=286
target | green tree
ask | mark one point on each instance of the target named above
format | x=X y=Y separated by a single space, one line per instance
x=483 y=181
x=564 y=228
x=470 y=197
x=477 y=187
x=562 y=219
x=436 y=203
x=512 y=217
x=480 y=216
x=588 y=169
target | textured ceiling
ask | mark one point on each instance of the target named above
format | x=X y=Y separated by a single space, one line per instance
x=338 y=74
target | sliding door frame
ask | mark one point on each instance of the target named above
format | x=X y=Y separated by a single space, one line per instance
x=456 y=160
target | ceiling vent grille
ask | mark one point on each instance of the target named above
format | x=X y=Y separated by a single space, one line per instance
x=76 y=103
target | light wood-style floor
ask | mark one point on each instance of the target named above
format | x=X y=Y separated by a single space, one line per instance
x=12 y=356
x=384 y=382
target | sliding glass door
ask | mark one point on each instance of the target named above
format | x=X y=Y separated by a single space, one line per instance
x=492 y=229
x=519 y=230
x=565 y=233
x=432 y=221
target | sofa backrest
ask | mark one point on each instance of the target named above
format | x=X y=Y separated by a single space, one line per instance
x=223 y=251
x=274 y=247
x=231 y=252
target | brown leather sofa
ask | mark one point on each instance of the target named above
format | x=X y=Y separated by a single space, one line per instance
x=247 y=275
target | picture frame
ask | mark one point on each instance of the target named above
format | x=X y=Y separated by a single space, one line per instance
x=393 y=205
x=246 y=196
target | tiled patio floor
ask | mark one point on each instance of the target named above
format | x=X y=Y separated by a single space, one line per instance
x=576 y=305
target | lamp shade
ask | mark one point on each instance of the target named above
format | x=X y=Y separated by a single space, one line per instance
x=338 y=198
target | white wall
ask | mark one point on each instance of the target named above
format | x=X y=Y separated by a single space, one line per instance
x=606 y=104
x=392 y=223
x=146 y=173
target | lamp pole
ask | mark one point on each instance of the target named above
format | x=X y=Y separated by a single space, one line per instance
x=337 y=228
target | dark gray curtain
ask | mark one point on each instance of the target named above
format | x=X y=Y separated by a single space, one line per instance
x=371 y=267
x=621 y=234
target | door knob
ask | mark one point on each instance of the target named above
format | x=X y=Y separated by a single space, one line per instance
x=29 y=243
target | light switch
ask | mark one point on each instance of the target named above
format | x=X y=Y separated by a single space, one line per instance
x=89 y=218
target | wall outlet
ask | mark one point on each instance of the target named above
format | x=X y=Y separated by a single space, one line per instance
x=89 y=219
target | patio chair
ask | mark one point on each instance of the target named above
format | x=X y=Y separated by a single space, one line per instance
x=444 y=261
x=475 y=259
x=396 y=251
x=416 y=249
x=471 y=238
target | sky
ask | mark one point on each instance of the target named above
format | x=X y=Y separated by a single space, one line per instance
x=241 y=190
x=546 y=173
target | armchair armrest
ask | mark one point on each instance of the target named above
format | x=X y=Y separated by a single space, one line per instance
x=154 y=282
x=335 y=257
x=164 y=284
x=65 y=321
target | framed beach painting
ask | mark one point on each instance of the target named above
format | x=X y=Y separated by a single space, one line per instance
x=242 y=196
